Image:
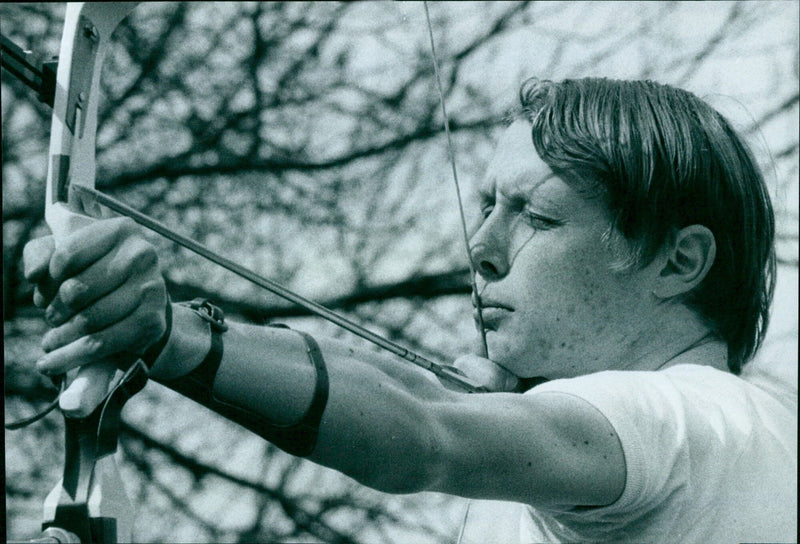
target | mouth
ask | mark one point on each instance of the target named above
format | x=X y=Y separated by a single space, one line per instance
x=486 y=303
x=492 y=312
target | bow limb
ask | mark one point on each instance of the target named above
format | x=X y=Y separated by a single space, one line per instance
x=89 y=503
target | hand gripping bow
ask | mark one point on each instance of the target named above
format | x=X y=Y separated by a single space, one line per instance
x=89 y=503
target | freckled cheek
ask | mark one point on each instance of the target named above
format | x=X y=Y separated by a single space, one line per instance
x=573 y=301
x=566 y=303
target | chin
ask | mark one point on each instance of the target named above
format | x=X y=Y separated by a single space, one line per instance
x=524 y=363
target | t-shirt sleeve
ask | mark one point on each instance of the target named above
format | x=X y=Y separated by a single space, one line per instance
x=660 y=424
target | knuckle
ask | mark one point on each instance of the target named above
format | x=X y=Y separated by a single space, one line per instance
x=72 y=292
x=151 y=296
x=152 y=291
x=70 y=244
x=125 y=225
x=50 y=341
x=35 y=255
x=149 y=327
x=93 y=345
x=144 y=258
x=122 y=231
x=148 y=254
x=59 y=261
x=82 y=322
x=151 y=302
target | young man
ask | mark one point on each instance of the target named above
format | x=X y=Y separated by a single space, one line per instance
x=625 y=259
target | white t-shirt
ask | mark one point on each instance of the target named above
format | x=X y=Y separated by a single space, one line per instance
x=711 y=458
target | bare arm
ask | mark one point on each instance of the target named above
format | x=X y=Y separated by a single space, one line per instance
x=392 y=427
x=387 y=424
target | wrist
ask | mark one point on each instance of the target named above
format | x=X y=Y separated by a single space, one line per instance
x=188 y=344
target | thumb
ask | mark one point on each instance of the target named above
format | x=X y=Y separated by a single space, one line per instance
x=36 y=258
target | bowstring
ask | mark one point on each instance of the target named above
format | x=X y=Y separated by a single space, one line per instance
x=24 y=422
x=452 y=157
x=451 y=154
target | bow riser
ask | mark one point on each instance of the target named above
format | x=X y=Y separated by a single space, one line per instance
x=90 y=500
x=87 y=32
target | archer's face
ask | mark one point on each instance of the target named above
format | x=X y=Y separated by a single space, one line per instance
x=553 y=306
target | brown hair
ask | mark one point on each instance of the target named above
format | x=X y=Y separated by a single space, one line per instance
x=663 y=159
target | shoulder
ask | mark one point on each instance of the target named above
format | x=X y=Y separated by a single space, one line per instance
x=678 y=396
x=692 y=415
x=687 y=382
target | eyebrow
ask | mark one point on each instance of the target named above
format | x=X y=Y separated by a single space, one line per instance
x=519 y=192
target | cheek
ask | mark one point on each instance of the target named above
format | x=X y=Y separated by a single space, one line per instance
x=572 y=310
x=574 y=295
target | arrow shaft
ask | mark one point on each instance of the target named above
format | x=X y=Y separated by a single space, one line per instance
x=443 y=372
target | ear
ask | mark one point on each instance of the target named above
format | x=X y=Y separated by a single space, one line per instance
x=688 y=258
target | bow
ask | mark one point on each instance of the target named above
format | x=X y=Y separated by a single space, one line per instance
x=89 y=503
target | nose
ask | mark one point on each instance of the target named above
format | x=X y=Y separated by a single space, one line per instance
x=489 y=250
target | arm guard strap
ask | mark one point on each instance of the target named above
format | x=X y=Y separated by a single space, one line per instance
x=298 y=438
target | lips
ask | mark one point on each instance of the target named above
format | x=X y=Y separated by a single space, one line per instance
x=487 y=302
x=492 y=312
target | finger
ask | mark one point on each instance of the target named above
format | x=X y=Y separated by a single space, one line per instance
x=139 y=305
x=88 y=389
x=449 y=383
x=86 y=245
x=90 y=349
x=44 y=293
x=127 y=338
x=132 y=258
x=36 y=258
x=487 y=373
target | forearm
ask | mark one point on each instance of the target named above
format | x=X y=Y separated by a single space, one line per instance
x=379 y=428
x=373 y=426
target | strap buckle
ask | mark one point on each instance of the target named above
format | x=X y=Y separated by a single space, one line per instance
x=208 y=312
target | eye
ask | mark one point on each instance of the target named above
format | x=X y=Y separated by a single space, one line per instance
x=487 y=205
x=540 y=222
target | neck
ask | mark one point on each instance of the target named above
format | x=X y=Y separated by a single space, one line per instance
x=708 y=351
x=679 y=338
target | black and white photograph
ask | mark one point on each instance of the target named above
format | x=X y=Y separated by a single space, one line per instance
x=498 y=272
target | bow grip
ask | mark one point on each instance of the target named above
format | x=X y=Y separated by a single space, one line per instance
x=89 y=384
x=87 y=32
